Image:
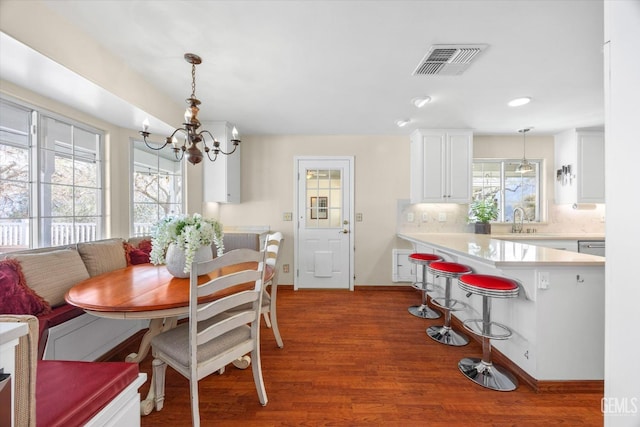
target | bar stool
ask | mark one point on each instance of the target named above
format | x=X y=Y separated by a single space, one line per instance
x=483 y=371
x=443 y=333
x=423 y=310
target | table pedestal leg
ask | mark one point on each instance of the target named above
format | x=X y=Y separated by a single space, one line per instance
x=156 y=326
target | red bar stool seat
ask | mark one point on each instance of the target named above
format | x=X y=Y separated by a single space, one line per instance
x=423 y=310
x=483 y=371
x=443 y=333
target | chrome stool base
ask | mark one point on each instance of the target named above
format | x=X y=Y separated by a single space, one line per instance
x=446 y=335
x=423 y=311
x=487 y=375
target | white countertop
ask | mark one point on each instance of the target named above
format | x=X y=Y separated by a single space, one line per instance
x=548 y=236
x=10 y=331
x=502 y=253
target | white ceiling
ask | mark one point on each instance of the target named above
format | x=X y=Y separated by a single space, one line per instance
x=345 y=67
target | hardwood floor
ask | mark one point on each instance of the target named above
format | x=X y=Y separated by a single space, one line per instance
x=360 y=359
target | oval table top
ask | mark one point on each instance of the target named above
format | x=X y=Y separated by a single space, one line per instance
x=144 y=288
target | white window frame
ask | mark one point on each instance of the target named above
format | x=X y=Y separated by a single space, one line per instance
x=134 y=230
x=538 y=167
x=35 y=216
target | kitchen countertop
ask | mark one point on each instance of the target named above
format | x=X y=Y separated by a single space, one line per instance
x=548 y=236
x=500 y=252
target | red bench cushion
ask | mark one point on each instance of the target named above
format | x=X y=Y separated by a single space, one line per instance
x=70 y=393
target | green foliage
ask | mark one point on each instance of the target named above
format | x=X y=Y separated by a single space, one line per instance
x=483 y=210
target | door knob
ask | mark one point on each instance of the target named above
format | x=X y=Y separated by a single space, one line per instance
x=345 y=231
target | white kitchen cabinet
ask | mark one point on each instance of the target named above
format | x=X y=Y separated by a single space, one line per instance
x=441 y=165
x=222 y=177
x=581 y=151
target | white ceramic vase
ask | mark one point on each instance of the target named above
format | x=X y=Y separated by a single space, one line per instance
x=175 y=259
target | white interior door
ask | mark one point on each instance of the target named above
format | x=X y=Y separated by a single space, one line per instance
x=324 y=239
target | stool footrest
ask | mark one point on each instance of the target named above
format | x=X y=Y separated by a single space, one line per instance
x=418 y=286
x=454 y=304
x=475 y=326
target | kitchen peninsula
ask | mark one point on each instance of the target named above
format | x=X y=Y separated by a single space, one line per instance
x=558 y=318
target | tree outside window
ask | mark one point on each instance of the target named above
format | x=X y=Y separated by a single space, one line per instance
x=157 y=187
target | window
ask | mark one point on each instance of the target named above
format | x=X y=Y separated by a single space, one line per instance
x=157 y=187
x=51 y=172
x=497 y=178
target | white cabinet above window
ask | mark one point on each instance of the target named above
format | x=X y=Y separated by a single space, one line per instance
x=222 y=177
x=441 y=165
x=579 y=166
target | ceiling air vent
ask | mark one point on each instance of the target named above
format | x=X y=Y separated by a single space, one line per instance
x=448 y=59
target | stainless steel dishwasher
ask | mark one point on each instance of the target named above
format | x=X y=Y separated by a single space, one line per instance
x=592 y=247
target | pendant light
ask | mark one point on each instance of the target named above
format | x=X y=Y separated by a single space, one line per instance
x=524 y=166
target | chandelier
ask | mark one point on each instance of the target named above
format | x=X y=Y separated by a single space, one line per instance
x=192 y=137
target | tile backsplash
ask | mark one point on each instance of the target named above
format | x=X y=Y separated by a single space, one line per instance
x=452 y=218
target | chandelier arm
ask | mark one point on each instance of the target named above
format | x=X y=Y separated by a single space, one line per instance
x=217 y=149
x=179 y=152
x=215 y=157
x=145 y=135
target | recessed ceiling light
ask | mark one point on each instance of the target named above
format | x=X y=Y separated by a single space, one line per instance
x=402 y=122
x=421 y=101
x=519 y=101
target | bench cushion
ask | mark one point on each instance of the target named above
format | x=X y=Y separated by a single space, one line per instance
x=103 y=256
x=71 y=393
x=52 y=274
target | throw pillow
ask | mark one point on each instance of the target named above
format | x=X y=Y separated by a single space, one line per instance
x=52 y=274
x=137 y=255
x=15 y=296
x=103 y=256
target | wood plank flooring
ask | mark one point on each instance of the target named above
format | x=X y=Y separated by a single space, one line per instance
x=360 y=359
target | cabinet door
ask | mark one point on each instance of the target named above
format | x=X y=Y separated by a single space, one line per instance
x=427 y=167
x=441 y=166
x=459 y=167
x=221 y=179
x=591 y=171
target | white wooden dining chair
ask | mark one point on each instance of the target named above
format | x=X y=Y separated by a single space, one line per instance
x=269 y=298
x=213 y=337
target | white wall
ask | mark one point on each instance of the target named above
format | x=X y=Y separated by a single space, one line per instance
x=622 y=289
x=381 y=178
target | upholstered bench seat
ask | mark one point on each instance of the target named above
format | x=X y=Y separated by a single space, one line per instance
x=71 y=393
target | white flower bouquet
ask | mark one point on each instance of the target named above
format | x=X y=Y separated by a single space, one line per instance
x=189 y=233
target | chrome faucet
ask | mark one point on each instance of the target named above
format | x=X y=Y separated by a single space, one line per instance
x=517 y=227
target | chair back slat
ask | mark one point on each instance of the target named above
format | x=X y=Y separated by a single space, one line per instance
x=226 y=325
x=207 y=310
x=227 y=281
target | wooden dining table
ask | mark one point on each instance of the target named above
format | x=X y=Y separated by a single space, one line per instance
x=147 y=291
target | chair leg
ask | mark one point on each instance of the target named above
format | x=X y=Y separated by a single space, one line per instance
x=267 y=321
x=159 y=373
x=195 y=404
x=275 y=328
x=256 y=366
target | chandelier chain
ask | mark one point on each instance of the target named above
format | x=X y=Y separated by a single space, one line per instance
x=193 y=80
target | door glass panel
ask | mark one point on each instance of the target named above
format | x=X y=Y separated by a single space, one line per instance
x=323 y=198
